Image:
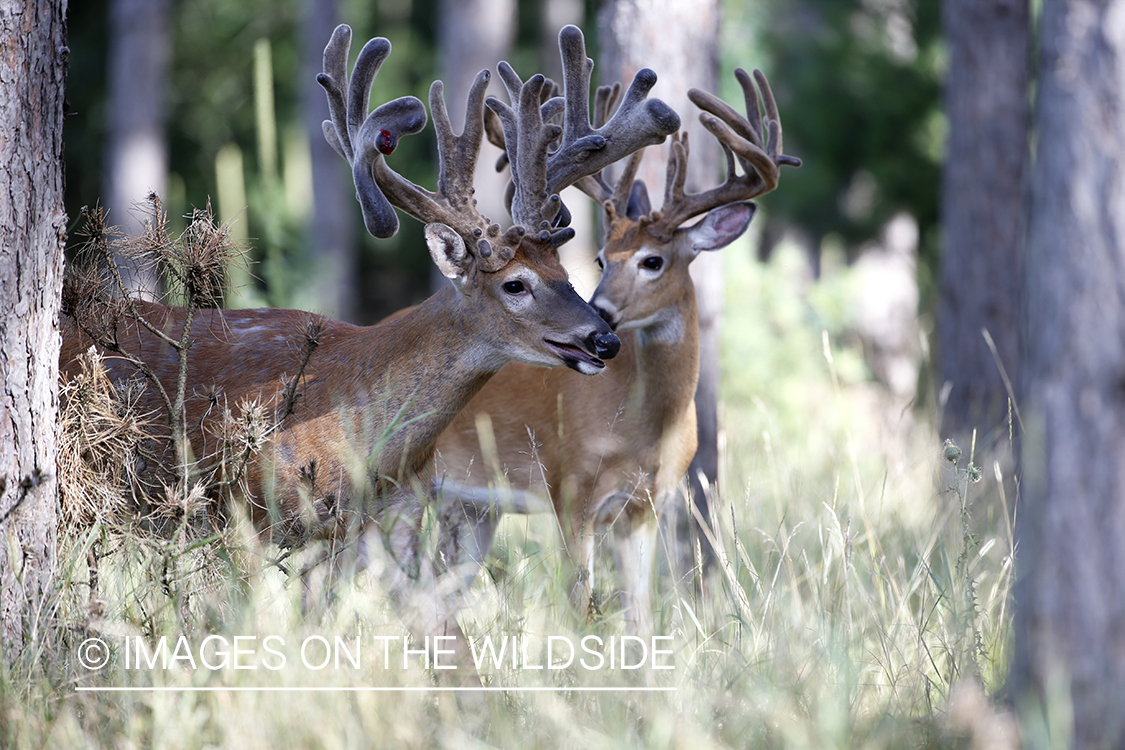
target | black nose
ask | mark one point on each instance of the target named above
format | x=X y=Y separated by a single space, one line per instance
x=605 y=345
x=606 y=316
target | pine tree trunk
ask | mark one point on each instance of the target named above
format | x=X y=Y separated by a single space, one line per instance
x=984 y=200
x=1070 y=590
x=474 y=35
x=636 y=34
x=32 y=227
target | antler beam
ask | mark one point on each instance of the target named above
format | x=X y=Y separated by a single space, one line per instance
x=363 y=141
x=754 y=141
x=637 y=123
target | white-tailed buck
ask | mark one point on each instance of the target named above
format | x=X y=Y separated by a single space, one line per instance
x=606 y=454
x=352 y=451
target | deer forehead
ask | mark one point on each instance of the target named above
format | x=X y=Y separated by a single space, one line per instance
x=532 y=258
x=631 y=245
x=623 y=235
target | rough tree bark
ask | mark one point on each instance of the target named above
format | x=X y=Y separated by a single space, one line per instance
x=679 y=40
x=984 y=199
x=1070 y=589
x=136 y=148
x=32 y=229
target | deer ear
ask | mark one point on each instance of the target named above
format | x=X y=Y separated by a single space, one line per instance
x=721 y=227
x=639 y=205
x=447 y=249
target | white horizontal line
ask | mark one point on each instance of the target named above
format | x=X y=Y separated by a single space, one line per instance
x=275 y=689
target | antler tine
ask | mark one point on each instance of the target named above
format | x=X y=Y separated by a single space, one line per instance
x=750 y=96
x=583 y=151
x=334 y=80
x=460 y=151
x=453 y=203
x=527 y=137
x=676 y=176
x=595 y=185
x=618 y=202
x=494 y=131
x=755 y=140
x=363 y=142
x=638 y=122
x=606 y=99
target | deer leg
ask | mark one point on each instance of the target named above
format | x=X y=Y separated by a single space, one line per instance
x=634 y=547
x=418 y=596
x=318 y=583
x=582 y=555
x=465 y=534
x=468 y=521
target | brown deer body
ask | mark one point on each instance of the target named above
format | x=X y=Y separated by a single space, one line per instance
x=608 y=454
x=355 y=440
x=372 y=400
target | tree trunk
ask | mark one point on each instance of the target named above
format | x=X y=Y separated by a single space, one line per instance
x=553 y=16
x=330 y=232
x=635 y=34
x=32 y=229
x=984 y=199
x=577 y=255
x=1070 y=590
x=136 y=149
x=474 y=35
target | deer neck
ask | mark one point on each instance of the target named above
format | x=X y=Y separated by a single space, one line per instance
x=665 y=364
x=430 y=363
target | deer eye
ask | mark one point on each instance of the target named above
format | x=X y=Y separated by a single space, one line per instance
x=600 y=262
x=653 y=262
x=513 y=287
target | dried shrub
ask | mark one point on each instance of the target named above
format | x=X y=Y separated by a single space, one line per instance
x=103 y=439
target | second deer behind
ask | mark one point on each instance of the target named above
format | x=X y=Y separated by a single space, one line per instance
x=606 y=454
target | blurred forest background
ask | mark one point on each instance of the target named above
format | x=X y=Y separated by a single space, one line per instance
x=993 y=280
x=227 y=94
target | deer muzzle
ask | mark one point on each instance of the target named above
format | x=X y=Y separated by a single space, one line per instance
x=605 y=345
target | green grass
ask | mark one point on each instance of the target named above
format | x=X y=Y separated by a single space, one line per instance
x=857 y=588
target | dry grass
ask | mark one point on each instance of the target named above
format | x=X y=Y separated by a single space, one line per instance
x=103 y=435
x=859 y=602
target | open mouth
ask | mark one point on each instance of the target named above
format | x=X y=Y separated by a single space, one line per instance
x=573 y=356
